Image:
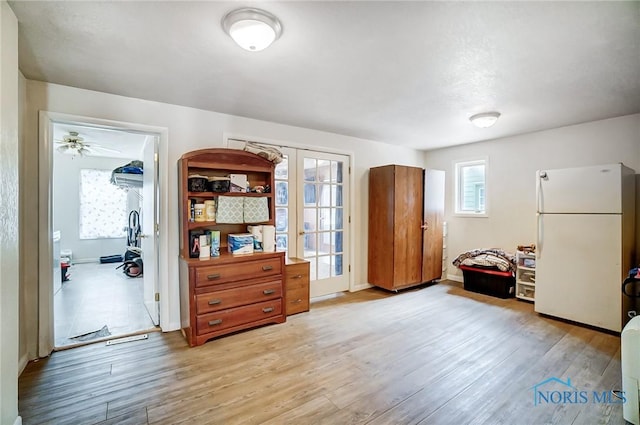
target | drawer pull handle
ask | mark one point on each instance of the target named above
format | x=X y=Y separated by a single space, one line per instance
x=213 y=276
x=299 y=300
x=298 y=276
x=215 y=322
x=214 y=302
x=268 y=291
x=267 y=268
x=267 y=309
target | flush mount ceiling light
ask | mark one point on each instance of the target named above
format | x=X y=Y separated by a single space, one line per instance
x=485 y=119
x=253 y=29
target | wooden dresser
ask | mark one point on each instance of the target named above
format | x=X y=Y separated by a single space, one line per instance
x=226 y=293
x=296 y=285
x=230 y=293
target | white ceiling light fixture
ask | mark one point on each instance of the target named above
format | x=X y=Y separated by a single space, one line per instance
x=485 y=119
x=252 y=29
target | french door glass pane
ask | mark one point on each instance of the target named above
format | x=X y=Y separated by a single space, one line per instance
x=337 y=241
x=309 y=170
x=282 y=220
x=310 y=221
x=336 y=195
x=336 y=270
x=282 y=242
x=338 y=169
x=310 y=248
x=325 y=218
x=337 y=222
x=282 y=169
x=324 y=267
x=324 y=170
x=324 y=195
x=309 y=194
x=282 y=193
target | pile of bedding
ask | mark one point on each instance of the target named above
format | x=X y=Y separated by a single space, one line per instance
x=487 y=258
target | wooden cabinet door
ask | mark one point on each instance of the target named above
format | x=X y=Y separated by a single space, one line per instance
x=407 y=234
x=432 y=226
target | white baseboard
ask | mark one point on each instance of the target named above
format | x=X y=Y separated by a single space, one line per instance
x=18 y=421
x=455 y=277
x=173 y=326
x=360 y=287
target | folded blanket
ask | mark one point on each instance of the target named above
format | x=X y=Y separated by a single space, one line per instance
x=504 y=261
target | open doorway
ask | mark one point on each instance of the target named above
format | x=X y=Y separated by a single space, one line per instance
x=104 y=209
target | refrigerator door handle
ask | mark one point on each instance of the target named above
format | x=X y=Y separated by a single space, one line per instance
x=542 y=175
x=539 y=236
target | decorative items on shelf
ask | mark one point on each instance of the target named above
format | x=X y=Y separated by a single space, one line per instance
x=210 y=210
x=197 y=183
x=204 y=244
x=198 y=214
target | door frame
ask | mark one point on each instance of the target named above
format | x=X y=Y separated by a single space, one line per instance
x=45 y=217
x=353 y=214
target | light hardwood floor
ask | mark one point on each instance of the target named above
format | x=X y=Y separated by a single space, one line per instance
x=429 y=355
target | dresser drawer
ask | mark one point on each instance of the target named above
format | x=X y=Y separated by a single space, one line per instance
x=211 y=275
x=297 y=275
x=296 y=286
x=235 y=297
x=231 y=317
x=297 y=301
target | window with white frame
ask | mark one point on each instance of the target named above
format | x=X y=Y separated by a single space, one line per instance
x=103 y=206
x=471 y=187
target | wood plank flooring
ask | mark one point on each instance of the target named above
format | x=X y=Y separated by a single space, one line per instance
x=430 y=355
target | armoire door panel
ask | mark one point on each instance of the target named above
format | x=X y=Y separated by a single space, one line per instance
x=407 y=221
x=433 y=222
x=381 y=234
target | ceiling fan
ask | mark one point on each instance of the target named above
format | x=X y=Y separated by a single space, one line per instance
x=73 y=144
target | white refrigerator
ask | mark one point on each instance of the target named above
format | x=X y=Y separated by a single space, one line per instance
x=585 y=242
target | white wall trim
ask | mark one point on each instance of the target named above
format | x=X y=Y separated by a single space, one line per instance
x=18 y=421
x=360 y=287
x=22 y=363
x=45 y=219
x=45 y=232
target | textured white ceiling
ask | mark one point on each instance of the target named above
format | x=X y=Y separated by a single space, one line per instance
x=405 y=73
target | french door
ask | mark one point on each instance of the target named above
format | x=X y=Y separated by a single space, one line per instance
x=322 y=215
x=312 y=215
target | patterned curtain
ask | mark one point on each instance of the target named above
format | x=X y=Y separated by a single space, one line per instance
x=103 y=206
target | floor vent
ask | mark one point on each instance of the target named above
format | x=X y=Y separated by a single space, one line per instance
x=127 y=339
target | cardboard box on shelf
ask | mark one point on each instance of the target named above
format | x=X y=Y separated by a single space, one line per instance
x=238 y=182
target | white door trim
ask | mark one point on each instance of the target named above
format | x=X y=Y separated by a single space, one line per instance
x=45 y=217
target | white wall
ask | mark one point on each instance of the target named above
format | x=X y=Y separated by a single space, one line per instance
x=191 y=129
x=9 y=216
x=513 y=162
x=66 y=206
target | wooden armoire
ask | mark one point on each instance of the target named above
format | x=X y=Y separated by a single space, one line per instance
x=406 y=210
